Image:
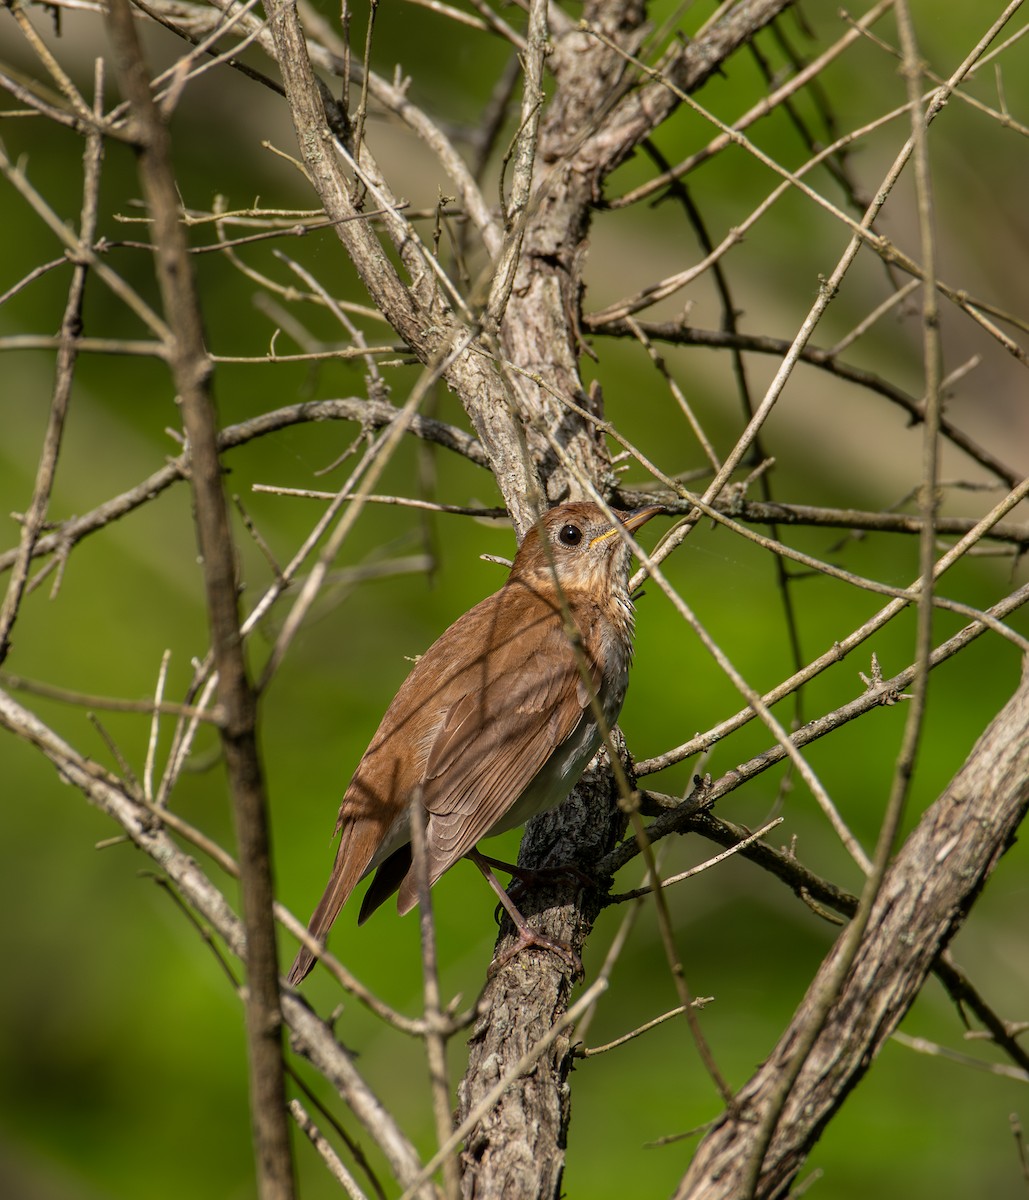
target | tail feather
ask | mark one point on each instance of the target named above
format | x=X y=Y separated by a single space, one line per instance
x=389 y=876
x=356 y=849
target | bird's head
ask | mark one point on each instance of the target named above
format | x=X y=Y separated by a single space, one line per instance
x=579 y=545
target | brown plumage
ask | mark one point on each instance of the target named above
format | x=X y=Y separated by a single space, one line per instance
x=495 y=721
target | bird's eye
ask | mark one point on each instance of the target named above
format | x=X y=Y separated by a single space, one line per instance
x=570 y=535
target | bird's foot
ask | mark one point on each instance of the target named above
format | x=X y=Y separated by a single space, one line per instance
x=526 y=935
x=528 y=938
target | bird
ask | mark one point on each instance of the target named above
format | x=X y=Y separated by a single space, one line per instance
x=496 y=721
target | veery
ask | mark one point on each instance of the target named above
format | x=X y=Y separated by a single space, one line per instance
x=496 y=722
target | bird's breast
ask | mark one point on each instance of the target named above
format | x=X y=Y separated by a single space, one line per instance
x=556 y=778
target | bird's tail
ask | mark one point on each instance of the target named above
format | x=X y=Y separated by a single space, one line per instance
x=356 y=848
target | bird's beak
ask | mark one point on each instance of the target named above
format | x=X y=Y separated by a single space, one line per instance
x=641 y=516
x=631 y=521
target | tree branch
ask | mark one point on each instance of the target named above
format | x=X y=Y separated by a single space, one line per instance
x=67 y=354
x=681 y=334
x=192 y=372
x=373 y=414
x=926 y=894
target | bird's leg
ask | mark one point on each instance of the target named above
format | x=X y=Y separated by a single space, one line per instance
x=527 y=936
x=529 y=877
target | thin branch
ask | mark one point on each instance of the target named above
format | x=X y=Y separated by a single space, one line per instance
x=765 y=106
x=35 y=687
x=814 y=891
x=862 y=230
x=435 y=1036
x=88 y=117
x=843 y=646
x=828 y=988
x=378 y=459
x=191 y=369
x=516 y=211
x=81 y=251
x=67 y=353
x=924 y=1046
x=374 y=414
x=680 y=333
x=325 y=1149
x=674 y=820
x=463 y=510
x=743 y=844
x=593 y=1051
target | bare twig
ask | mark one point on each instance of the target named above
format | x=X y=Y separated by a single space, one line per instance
x=67 y=353
x=743 y=844
x=110 y=703
x=191 y=368
x=375 y=414
x=592 y=1051
x=435 y=1039
x=324 y=1147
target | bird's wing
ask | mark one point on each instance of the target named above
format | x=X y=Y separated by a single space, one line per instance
x=524 y=699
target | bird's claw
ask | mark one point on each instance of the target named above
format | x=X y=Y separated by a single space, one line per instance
x=528 y=938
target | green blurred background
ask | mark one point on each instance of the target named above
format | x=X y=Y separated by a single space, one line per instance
x=122 y=1066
